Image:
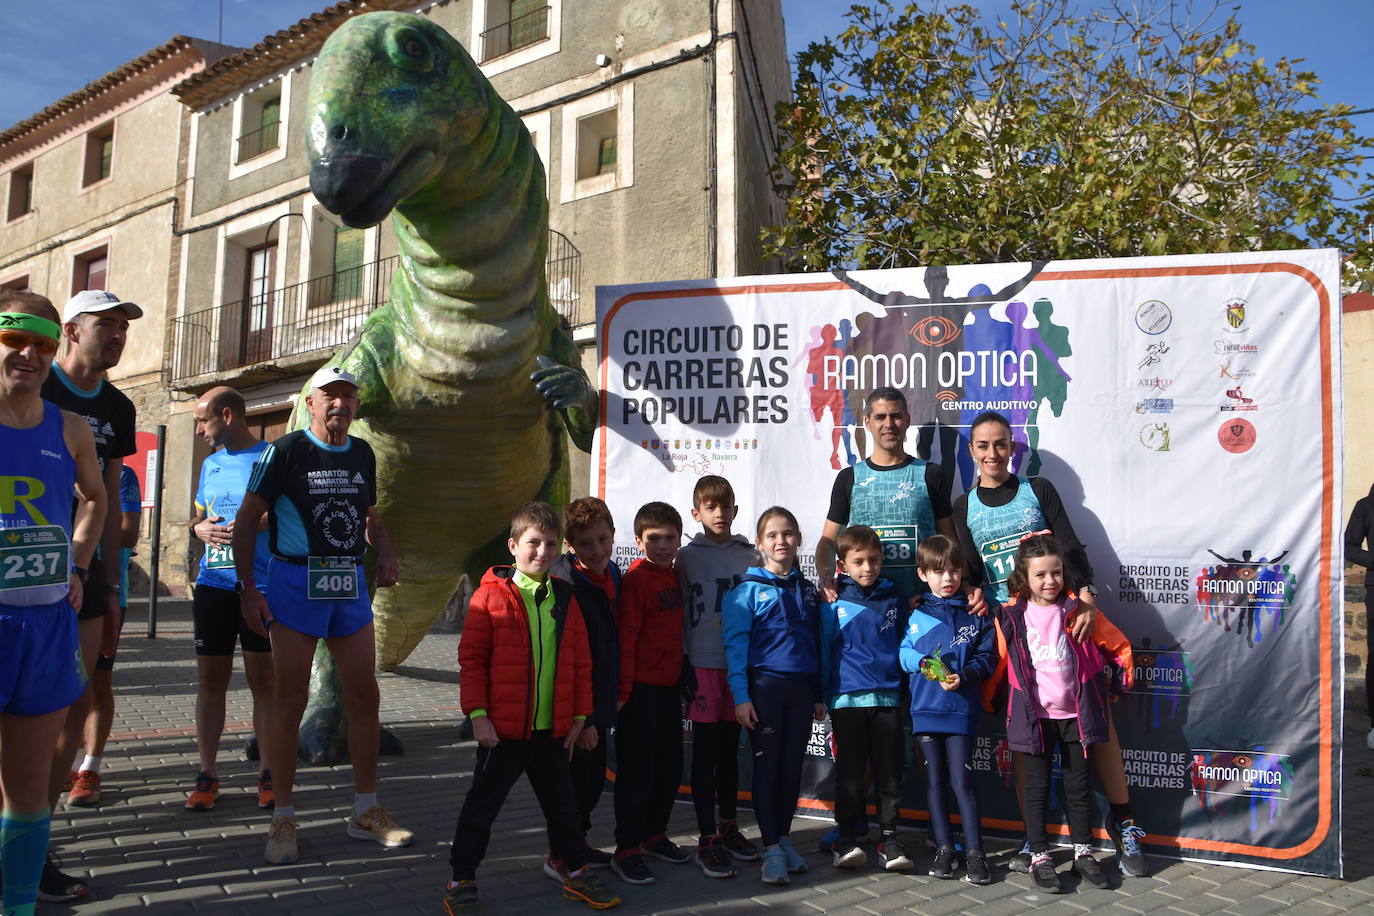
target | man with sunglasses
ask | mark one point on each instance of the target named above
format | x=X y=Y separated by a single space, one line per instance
x=95 y=327
x=47 y=455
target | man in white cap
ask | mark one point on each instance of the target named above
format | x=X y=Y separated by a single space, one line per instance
x=95 y=326
x=318 y=488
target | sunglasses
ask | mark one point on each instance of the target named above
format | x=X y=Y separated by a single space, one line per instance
x=18 y=340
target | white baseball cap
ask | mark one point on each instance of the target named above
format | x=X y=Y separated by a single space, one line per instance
x=98 y=300
x=330 y=374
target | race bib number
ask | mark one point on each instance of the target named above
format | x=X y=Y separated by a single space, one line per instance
x=331 y=577
x=32 y=557
x=999 y=556
x=899 y=545
x=219 y=556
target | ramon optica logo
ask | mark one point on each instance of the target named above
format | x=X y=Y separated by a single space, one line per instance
x=1153 y=317
x=935 y=331
x=1237 y=592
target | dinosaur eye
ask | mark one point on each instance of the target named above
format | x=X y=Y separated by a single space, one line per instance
x=409 y=50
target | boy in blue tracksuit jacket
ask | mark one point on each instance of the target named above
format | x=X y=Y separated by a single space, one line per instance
x=944 y=712
x=861 y=632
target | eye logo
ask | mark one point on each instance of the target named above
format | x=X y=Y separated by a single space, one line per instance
x=935 y=331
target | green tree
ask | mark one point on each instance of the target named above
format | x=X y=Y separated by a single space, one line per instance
x=934 y=137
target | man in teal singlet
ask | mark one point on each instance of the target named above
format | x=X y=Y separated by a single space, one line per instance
x=899 y=496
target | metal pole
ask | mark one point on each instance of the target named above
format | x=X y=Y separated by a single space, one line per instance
x=157 y=530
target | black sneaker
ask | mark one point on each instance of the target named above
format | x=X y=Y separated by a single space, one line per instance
x=56 y=887
x=665 y=850
x=945 y=862
x=1130 y=857
x=1089 y=870
x=1042 y=871
x=631 y=868
x=976 y=865
x=849 y=854
x=596 y=857
x=892 y=855
x=715 y=862
x=462 y=900
x=1021 y=862
x=737 y=844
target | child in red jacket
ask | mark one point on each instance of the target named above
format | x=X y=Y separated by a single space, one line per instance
x=648 y=731
x=524 y=629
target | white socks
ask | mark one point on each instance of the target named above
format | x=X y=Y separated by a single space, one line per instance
x=283 y=811
x=362 y=801
x=90 y=763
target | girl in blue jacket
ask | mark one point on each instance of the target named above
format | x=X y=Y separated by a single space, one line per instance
x=771 y=626
x=944 y=711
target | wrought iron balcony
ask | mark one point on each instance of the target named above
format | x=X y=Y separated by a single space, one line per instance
x=277 y=331
x=518 y=32
x=255 y=143
x=290 y=330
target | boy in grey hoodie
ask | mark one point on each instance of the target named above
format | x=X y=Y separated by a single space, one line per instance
x=709 y=566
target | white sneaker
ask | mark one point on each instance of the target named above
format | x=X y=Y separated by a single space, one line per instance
x=1369 y=740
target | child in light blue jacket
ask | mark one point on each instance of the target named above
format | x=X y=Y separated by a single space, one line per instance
x=948 y=652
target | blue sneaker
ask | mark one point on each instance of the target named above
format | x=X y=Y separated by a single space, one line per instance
x=775 y=866
x=795 y=863
x=829 y=840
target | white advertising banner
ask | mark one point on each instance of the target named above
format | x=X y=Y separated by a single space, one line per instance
x=1187 y=410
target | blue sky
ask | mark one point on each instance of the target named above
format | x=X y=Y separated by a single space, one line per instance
x=47 y=54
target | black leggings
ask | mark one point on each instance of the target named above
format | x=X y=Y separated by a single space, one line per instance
x=715 y=772
x=1061 y=733
x=867 y=739
x=589 y=778
x=784 y=706
x=950 y=755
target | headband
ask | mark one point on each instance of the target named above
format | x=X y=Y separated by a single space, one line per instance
x=34 y=324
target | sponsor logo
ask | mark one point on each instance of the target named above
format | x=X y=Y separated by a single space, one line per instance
x=1237 y=435
x=1153 y=354
x=1155 y=405
x=1227 y=347
x=358 y=477
x=1229 y=370
x=1155 y=436
x=1237 y=593
x=1153 y=317
x=1238 y=401
x=1235 y=317
x=49 y=453
x=1156 y=384
x=1216 y=775
x=935 y=331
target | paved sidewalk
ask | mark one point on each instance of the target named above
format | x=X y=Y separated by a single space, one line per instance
x=143 y=852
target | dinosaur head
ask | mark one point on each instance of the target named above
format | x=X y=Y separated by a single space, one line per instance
x=392 y=95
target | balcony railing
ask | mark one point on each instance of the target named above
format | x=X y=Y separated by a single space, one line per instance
x=563 y=269
x=283 y=329
x=316 y=316
x=262 y=140
x=520 y=31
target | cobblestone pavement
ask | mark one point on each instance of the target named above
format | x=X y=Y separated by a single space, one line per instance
x=142 y=851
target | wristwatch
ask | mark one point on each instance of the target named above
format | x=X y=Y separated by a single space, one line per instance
x=243 y=585
x=82 y=573
x=1089 y=589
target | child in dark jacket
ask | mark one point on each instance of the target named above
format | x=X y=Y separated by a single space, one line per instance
x=589 y=530
x=648 y=736
x=1058 y=699
x=771 y=626
x=861 y=634
x=949 y=652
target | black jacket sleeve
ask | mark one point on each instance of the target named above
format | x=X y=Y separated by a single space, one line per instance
x=1357 y=534
x=1079 y=572
x=973 y=560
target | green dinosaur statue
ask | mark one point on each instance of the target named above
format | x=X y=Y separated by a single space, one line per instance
x=401 y=119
